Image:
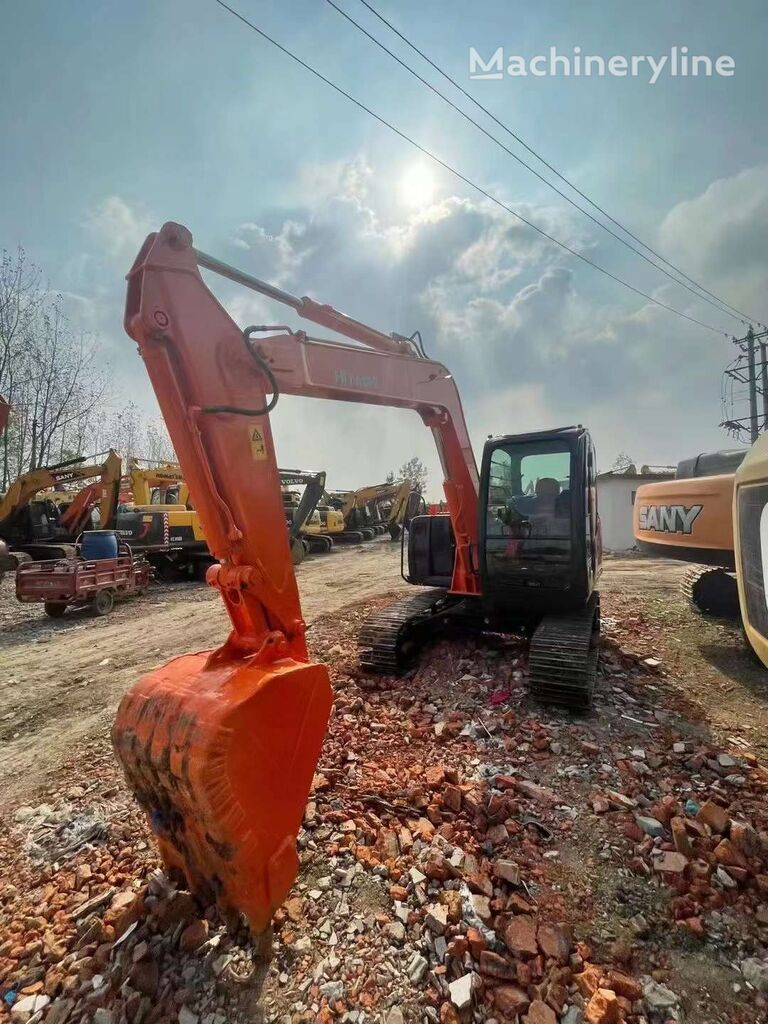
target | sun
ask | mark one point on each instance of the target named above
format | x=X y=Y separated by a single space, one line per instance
x=416 y=185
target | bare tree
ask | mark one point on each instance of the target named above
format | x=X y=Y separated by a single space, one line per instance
x=63 y=388
x=20 y=300
x=415 y=471
x=129 y=432
x=622 y=463
x=158 y=446
x=48 y=373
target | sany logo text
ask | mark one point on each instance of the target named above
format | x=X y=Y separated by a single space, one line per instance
x=668 y=518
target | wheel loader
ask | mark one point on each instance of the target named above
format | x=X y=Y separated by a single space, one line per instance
x=690 y=518
x=220 y=747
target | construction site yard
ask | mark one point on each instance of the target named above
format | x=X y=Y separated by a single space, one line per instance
x=466 y=853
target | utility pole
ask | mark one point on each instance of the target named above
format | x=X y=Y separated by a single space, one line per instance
x=753 y=428
x=751 y=380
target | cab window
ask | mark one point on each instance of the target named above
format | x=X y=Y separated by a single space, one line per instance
x=529 y=490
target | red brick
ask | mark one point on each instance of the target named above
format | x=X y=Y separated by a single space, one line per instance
x=714 y=815
x=602 y=1008
x=510 y=1000
x=540 y=1013
x=554 y=941
x=520 y=935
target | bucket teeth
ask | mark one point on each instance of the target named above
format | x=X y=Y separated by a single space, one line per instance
x=221 y=757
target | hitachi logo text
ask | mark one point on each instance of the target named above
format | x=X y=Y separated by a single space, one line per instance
x=353 y=380
x=668 y=518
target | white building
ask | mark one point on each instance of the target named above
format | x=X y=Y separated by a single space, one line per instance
x=615 y=499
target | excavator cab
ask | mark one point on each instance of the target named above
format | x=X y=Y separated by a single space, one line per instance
x=539 y=545
x=539 y=532
x=538 y=555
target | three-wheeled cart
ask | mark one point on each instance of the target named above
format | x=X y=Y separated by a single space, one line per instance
x=61 y=583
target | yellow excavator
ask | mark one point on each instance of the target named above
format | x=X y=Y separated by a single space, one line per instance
x=311 y=527
x=36 y=526
x=156 y=483
x=750 y=535
x=363 y=518
x=395 y=514
x=161 y=522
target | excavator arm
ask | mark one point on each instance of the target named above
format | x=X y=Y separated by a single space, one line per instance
x=105 y=492
x=220 y=747
x=399 y=509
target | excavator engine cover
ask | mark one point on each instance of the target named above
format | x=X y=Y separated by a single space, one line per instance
x=220 y=753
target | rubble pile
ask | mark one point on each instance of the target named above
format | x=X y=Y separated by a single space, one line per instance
x=466 y=856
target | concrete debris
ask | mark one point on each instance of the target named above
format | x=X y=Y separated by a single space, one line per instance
x=461 y=992
x=756 y=973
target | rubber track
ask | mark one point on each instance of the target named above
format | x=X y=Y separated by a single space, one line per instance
x=381 y=637
x=563 y=658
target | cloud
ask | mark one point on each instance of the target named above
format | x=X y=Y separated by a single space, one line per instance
x=118 y=227
x=533 y=338
x=721 y=235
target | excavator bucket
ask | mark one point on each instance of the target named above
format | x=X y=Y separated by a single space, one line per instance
x=220 y=754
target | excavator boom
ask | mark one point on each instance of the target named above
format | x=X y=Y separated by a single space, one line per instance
x=220 y=747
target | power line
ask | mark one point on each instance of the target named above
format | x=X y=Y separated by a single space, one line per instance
x=717 y=305
x=467 y=181
x=734 y=311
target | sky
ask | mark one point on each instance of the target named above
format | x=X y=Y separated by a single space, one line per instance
x=119 y=117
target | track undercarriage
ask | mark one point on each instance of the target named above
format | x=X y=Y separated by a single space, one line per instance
x=712 y=590
x=563 y=653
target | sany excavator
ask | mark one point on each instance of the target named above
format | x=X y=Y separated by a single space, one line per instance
x=690 y=519
x=35 y=527
x=220 y=746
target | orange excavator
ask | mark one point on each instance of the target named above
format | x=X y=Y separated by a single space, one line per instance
x=220 y=747
x=690 y=519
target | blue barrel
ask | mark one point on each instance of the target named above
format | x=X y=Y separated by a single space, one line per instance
x=99 y=544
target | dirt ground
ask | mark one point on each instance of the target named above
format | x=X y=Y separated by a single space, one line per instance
x=61 y=680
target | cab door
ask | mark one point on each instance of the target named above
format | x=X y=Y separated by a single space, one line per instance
x=527 y=516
